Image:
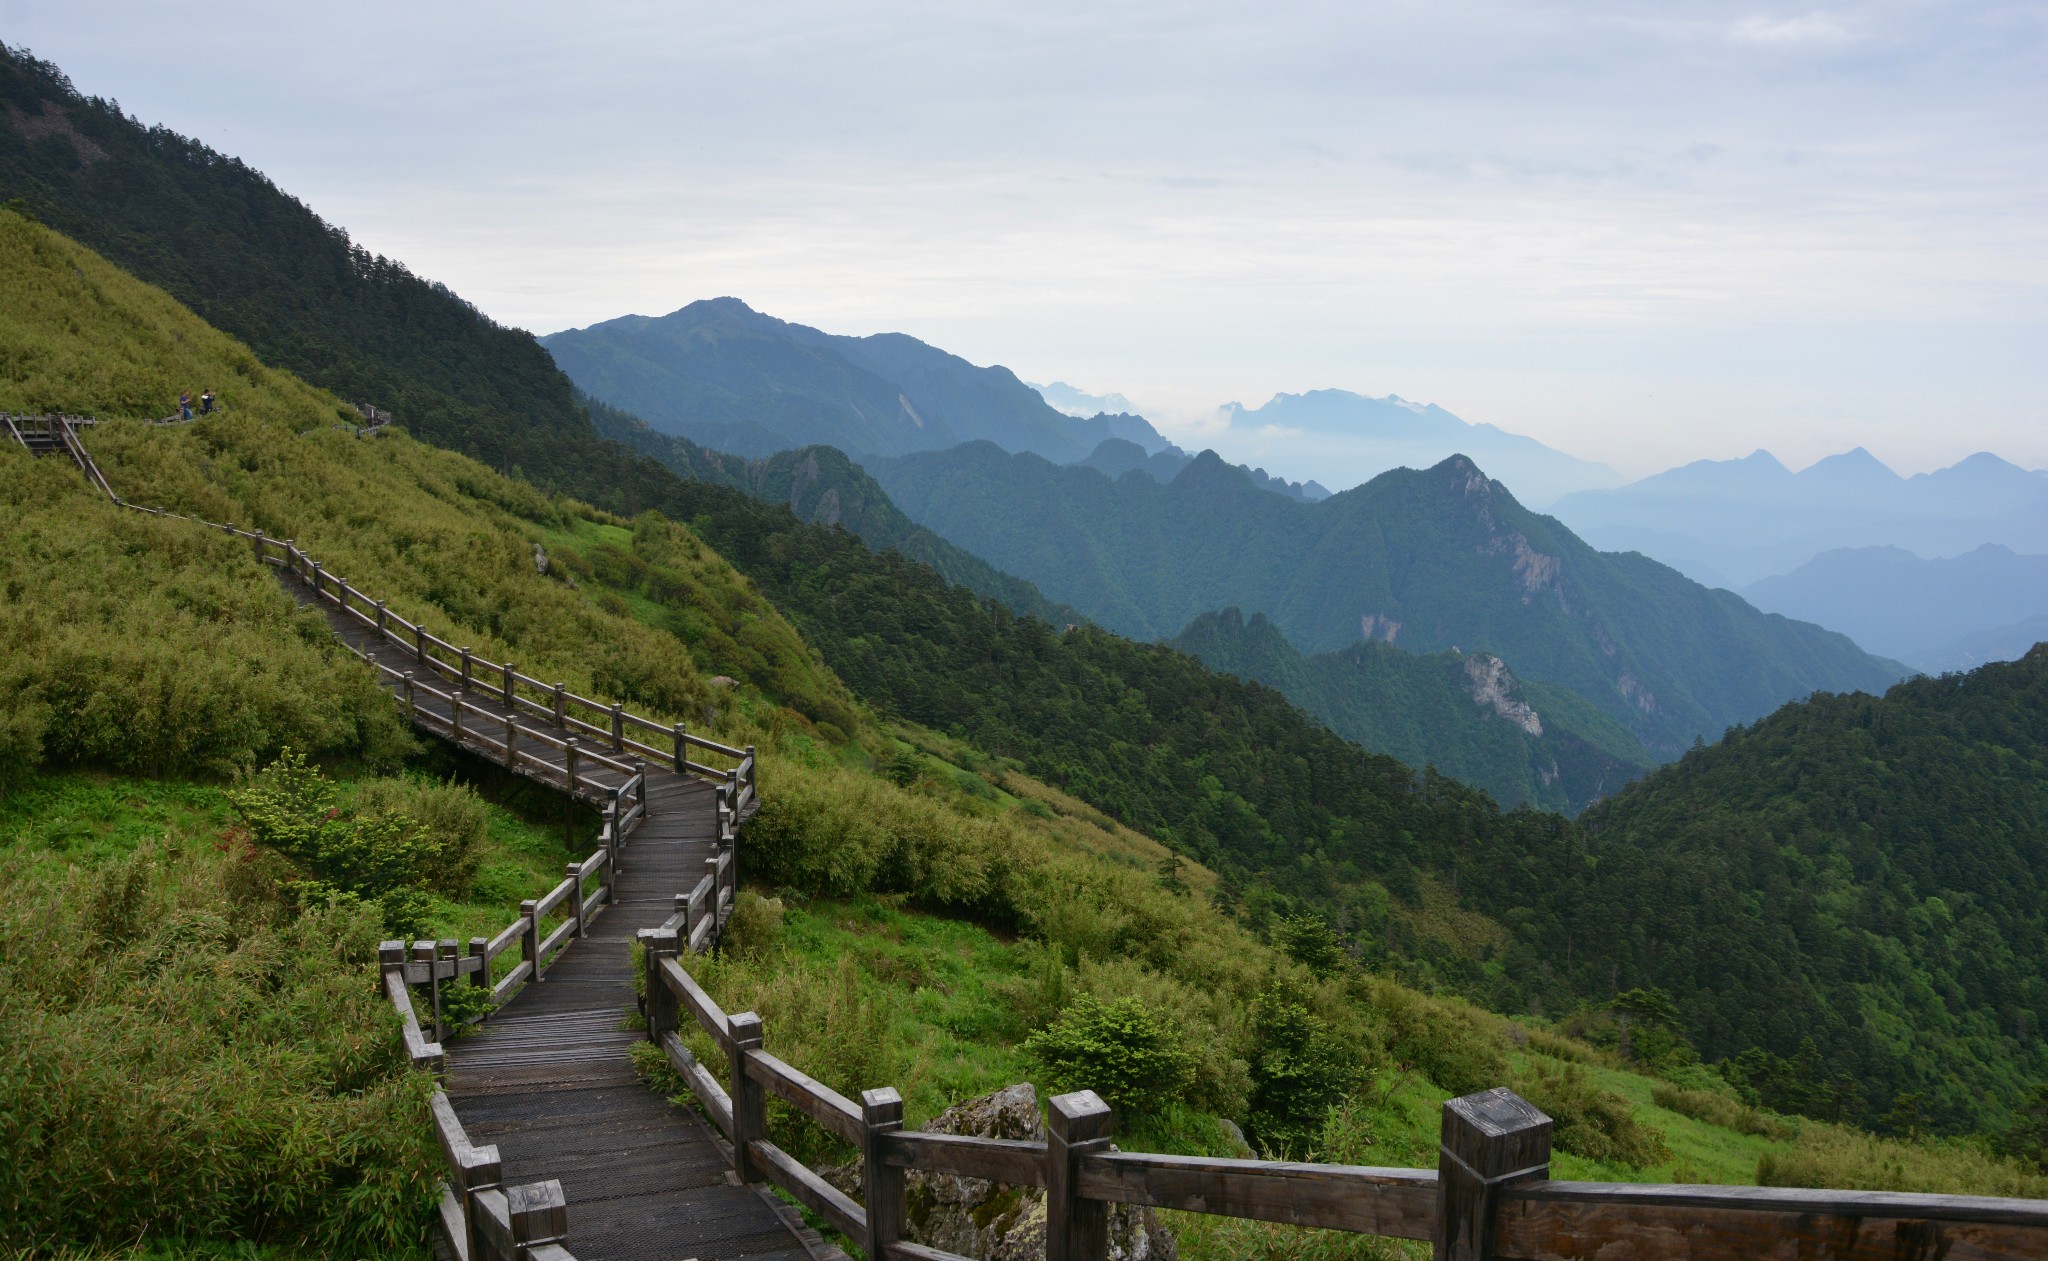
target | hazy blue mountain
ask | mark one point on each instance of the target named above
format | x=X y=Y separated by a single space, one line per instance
x=1348 y=438
x=1893 y=602
x=1116 y=457
x=2000 y=643
x=732 y=379
x=1075 y=401
x=821 y=485
x=1432 y=560
x=1466 y=715
x=1734 y=522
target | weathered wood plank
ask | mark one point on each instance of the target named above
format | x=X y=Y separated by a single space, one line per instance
x=1014 y=1161
x=702 y=1084
x=702 y=1007
x=1567 y=1221
x=1400 y=1203
x=811 y=1191
x=830 y=1109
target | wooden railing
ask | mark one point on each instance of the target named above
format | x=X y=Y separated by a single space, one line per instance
x=486 y=1220
x=1490 y=1195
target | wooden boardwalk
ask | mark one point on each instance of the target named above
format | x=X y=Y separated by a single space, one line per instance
x=548 y=1080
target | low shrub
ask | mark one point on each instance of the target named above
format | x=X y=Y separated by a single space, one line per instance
x=1129 y=1054
x=185 y=1059
x=1716 y=1108
x=1835 y=1156
x=387 y=860
x=1594 y=1123
x=449 y=816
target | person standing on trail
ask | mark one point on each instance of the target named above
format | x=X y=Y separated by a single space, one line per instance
x=185 y=404
x=206 y=403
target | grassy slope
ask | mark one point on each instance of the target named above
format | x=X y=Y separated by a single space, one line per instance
x=451 y=541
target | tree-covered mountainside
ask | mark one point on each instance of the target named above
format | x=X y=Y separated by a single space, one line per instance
x=1430 y=560
x=1870 y=873
x=821 y=485
x=1466 y=715
x=722 y=374
x=1418 y=874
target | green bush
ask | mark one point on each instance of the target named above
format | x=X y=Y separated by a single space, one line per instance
x=1591 y=1122
x=1716 y=1108
x=1299 y=1072
x=1123 y=1051
x=1838 y=1157
x=450 y=817
x=386 y=860
x=184 y=1059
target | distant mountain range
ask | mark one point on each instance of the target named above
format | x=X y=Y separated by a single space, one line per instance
x=1467 y=715
x=1348 y=439
x=1731 y=523
x=1924 y=612
x=1430 y=560
x=735 y=380
x=1075 y=401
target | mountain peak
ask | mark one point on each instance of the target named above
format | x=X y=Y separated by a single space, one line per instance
x=1857 y=465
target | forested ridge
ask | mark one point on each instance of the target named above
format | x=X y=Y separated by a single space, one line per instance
x=1555 y=915
x=1428 y=559
x=1466 y=715
x=1868 y=872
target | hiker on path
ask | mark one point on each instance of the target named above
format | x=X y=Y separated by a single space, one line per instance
x=206 y=403
x=185 y=404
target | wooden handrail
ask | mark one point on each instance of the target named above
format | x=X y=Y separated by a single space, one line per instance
x=1490 y=1196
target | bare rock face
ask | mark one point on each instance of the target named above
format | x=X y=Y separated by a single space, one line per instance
x=993 y=1222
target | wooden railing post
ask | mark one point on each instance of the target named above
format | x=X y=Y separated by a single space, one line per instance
x=419 y=642
x=753 y=768
x=682 y=750
x=611 y=838
x=1076 y=1125
x=711 y=907
x=640 y=784
x=341 y=593
x=662 y=1012
x=561 y=706
x=412 y=708
x=467 y=663
x=511 y=743
x=749 y=1101
x=424 y=952
x=529 y=937
x=881 y=1115
x=455 y=713
x=511 y=685
x=540 y=1214
x=383 y=616
x=618 y=728
x=569 y=764
x=574 y=873
x=478 y=948
x=314 y=567
x=1490 y=1139
x=258 y=542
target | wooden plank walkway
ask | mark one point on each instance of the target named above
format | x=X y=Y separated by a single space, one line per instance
x=548 y=1079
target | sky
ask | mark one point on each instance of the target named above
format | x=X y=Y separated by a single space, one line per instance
x=1643 y=233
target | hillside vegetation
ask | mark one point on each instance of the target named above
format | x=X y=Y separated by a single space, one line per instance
x=1905 y=836
x=1467 y=715
x=1429 y=560
x=1416 y=875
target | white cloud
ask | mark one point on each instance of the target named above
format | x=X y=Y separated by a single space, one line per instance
x=1806 y=28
